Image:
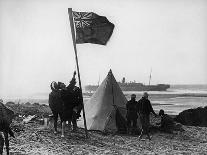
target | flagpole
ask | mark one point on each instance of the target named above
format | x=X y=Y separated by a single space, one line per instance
x=76 y=58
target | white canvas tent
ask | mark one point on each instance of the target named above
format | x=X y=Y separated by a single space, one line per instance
x=106 y=111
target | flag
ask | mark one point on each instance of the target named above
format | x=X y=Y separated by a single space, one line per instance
x=92 y=28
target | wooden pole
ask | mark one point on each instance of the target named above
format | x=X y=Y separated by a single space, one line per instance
x=76 y=58
x=150 y=76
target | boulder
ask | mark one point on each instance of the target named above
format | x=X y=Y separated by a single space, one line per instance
x=193 y=117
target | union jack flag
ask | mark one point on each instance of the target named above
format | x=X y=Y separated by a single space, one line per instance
x=91 y=28
x=82 y=19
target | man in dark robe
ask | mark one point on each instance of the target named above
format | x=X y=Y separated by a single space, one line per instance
x=144 y=108
x=67 y=95
x=131 y=115
x=77 y=106
x=56 y=103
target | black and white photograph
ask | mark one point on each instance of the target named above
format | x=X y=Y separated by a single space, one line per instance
x=90 y=77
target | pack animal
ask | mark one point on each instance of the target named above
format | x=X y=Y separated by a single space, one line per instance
x=6 y=116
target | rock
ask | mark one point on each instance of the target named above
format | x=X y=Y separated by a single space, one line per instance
x=193 y=117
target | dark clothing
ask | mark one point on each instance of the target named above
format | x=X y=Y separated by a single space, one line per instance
x=55 y=102
x=78 y=99
x=67 y=97
x=74 y=120
x=78 y=106
x=63 y=101
x=67 y=115
x=1 y=143
x=131 y=110
x=131 y=115
x=169 y=125
x=167 y=122
x=144 y=107
x=145 y=122
x=72 y=99
x=132 y=123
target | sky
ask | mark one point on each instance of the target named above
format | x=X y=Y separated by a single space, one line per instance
x=167 y=36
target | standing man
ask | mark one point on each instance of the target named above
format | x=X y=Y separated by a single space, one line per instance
x=77 y=106
x=144 y=108
x=131 y=115
x=72 y=102
x=67 y=95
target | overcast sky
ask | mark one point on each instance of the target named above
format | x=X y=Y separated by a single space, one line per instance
x=168 y=36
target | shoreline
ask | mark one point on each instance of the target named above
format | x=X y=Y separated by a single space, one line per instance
x=170 y=103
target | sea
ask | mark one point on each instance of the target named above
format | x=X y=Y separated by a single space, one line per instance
x=176 y=99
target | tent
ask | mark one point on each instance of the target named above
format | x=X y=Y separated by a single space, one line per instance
x=106 y=110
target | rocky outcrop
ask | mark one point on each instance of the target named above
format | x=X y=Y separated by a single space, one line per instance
x=193 y=117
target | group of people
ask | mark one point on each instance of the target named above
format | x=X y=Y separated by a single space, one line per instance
x=142 y=109
x=65 y=101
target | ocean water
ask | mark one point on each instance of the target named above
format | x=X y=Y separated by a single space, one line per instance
x=173 y=101
x=177 y=98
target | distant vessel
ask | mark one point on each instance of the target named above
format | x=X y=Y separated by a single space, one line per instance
x=133 y=86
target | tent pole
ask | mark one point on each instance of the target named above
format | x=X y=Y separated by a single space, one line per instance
x=76 y=58
x=112 y=87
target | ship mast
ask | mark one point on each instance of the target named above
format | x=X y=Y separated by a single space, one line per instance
x=150 y=76
x=98 y=80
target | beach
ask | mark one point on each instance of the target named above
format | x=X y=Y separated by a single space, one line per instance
x=34 y=138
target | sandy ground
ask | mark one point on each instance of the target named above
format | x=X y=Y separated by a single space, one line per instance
x=40 y=140
x=33 y=138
